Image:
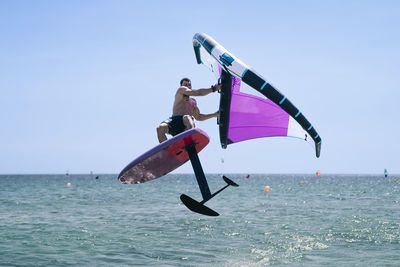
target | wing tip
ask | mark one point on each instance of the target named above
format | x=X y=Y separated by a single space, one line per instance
x=318 y=149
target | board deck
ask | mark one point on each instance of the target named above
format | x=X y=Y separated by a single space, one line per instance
x=163 y=158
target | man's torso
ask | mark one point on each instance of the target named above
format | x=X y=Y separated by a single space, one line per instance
x=183 y=105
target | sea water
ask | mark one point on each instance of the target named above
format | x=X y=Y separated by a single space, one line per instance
x=304 y=220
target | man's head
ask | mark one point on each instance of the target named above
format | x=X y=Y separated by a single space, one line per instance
x=186 y=82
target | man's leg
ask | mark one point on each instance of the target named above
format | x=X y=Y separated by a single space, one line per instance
x=162 y=130
x=188 y=122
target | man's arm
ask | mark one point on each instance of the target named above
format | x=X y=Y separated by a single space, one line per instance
x=199 y=92
x=201 y=117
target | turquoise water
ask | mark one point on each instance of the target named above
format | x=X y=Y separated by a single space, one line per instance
x=331 y=220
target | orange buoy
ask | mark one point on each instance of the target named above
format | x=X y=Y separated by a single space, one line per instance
x=318 y=173
x=267 y=188
x=69 y=185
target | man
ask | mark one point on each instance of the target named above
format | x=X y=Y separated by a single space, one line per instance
x=184 y=108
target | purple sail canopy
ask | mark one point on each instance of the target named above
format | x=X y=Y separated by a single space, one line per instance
x=253 y=117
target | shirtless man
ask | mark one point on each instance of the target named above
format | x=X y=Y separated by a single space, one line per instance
x=184 y=109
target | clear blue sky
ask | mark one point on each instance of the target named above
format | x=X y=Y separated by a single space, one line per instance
x=85 y=83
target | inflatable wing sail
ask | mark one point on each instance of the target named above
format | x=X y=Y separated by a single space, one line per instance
x=244 y=116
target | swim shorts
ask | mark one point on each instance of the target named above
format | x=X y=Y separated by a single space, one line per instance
x=175 y=125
